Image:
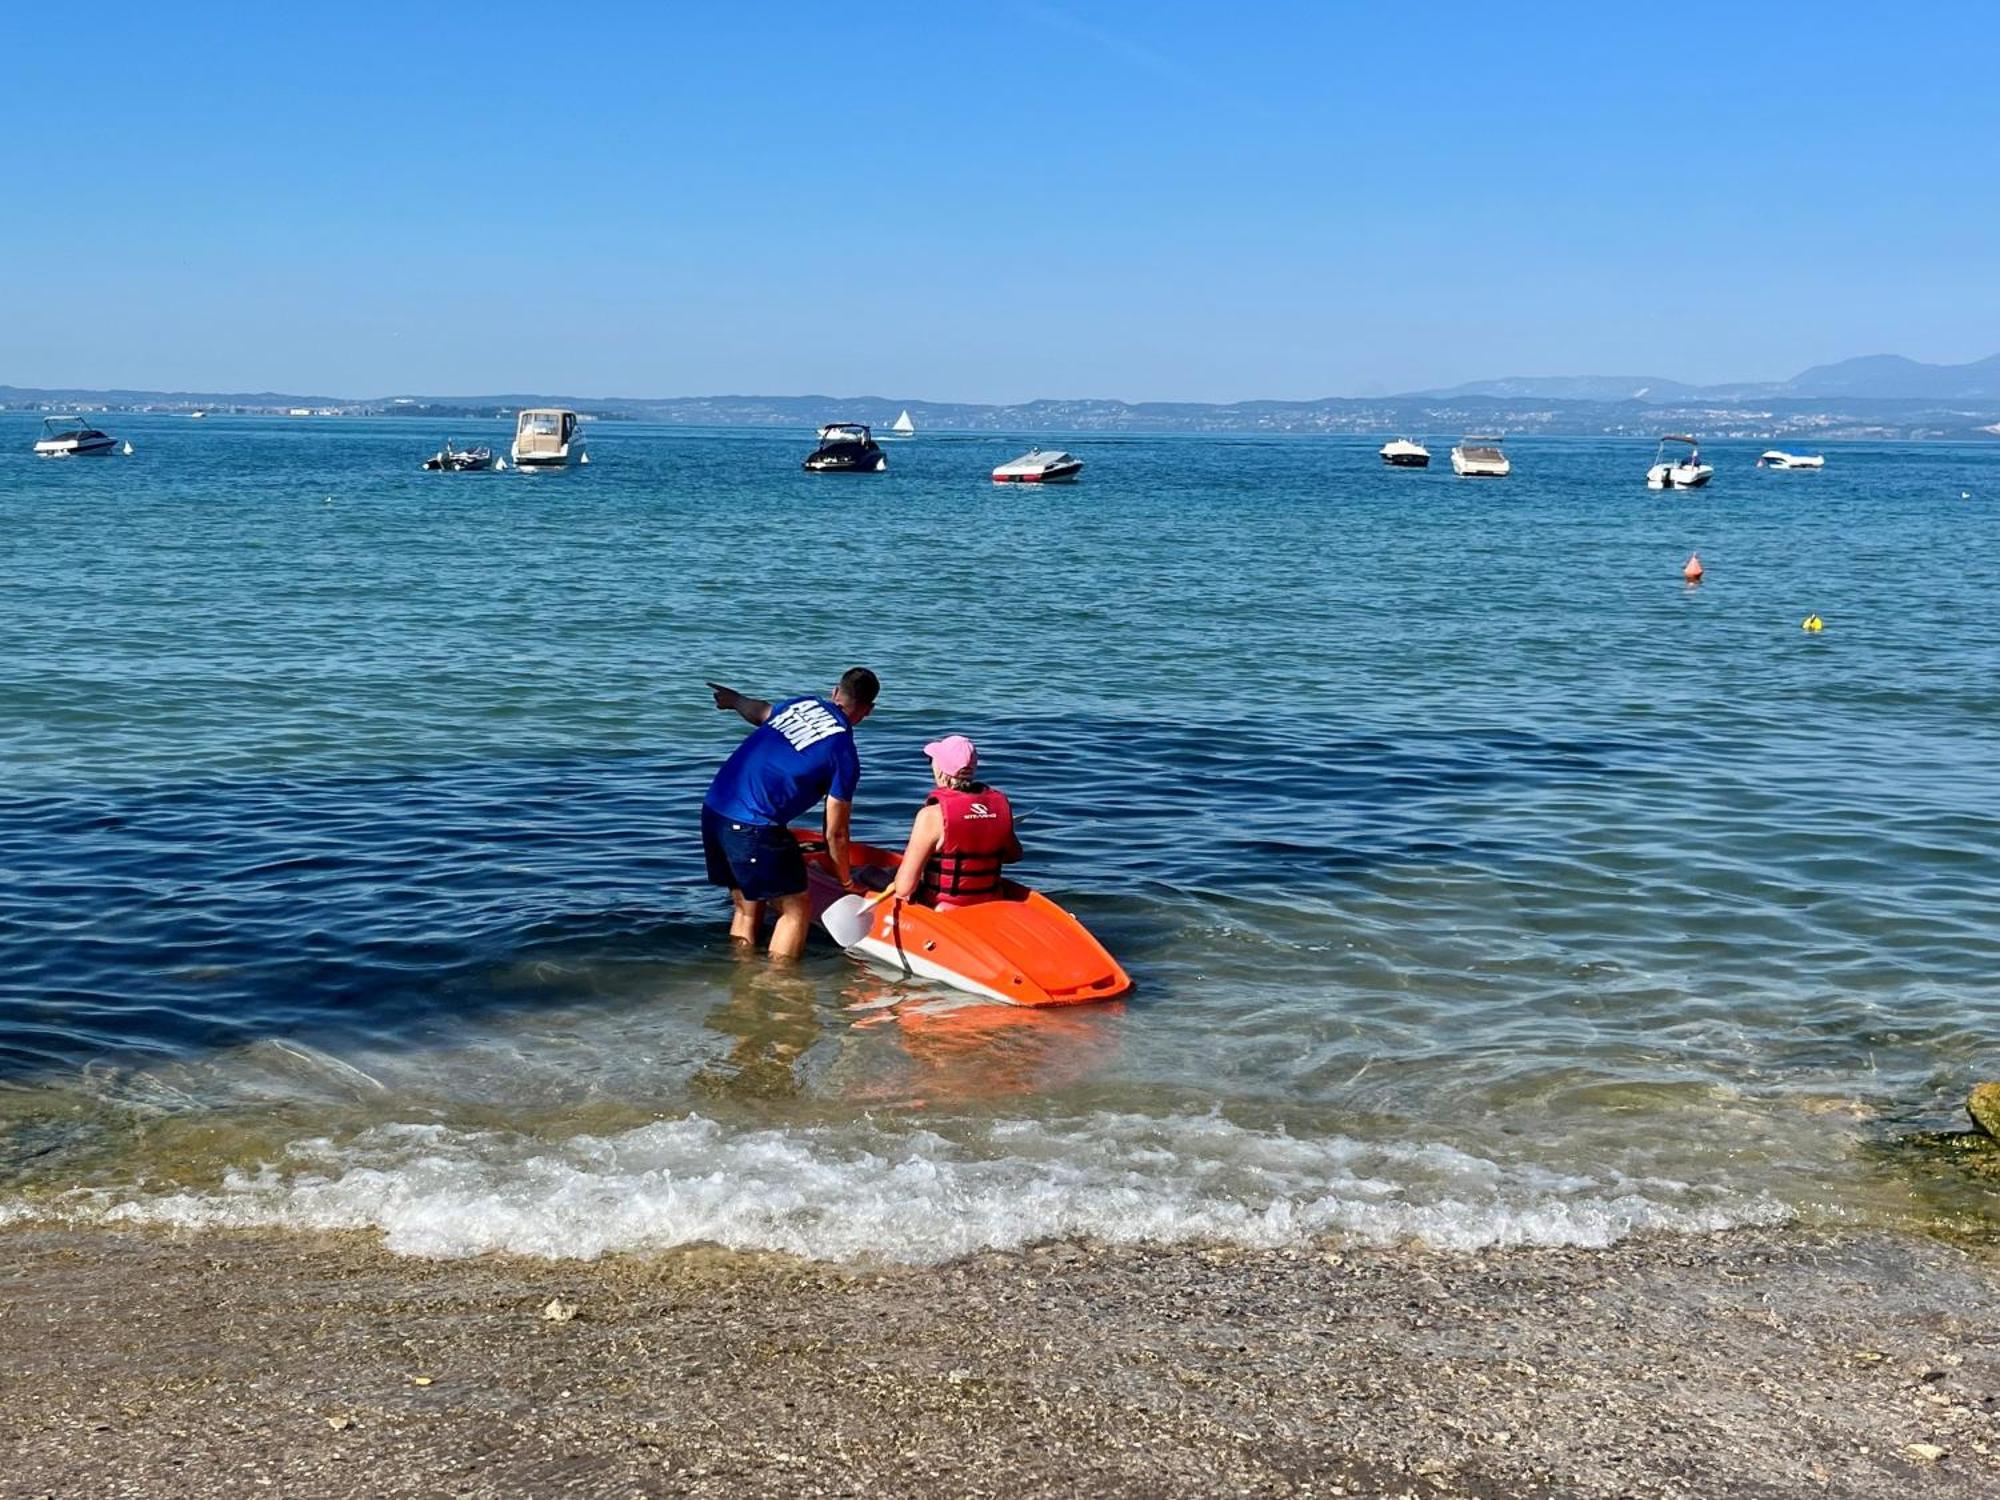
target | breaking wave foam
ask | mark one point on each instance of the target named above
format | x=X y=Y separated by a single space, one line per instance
x=919 y=1196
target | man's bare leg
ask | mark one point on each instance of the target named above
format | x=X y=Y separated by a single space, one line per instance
x=788 y=933
x=743 y=921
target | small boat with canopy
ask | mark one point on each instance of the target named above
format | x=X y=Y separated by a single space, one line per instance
x=1686 y=472
x=72 y=437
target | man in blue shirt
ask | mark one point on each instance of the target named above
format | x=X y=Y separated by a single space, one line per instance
x=801 y=750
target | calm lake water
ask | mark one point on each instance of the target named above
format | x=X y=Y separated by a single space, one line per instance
x=1482 y=881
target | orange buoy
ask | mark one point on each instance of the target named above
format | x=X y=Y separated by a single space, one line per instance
x=1692 y=572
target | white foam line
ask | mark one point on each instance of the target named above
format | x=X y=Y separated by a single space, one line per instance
x=872 y=1191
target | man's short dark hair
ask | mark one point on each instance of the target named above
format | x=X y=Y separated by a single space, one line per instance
x=860 y=685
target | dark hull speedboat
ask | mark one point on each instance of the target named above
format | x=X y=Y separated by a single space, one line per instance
x=460 y=460
x=846 y=448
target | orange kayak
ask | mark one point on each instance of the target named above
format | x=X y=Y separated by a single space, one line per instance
x=1020 y=947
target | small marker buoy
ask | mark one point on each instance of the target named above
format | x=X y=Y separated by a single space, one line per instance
x=128 y=450
x=1813 y=623
x=1692 y=572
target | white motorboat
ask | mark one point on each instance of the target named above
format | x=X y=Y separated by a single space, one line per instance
x=72 y=437
x=1039 y=466
x=547 y=437
x=903 y=427
x=1480 y=458
x=1777 y=458
x=1688 y=473
x=1404 y=454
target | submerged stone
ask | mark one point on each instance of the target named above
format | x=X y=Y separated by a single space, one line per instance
x=1971 y=1152
x=1984 y=1107
x=36 y=1147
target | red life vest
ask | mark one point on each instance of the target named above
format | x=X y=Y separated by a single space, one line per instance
x=978 y=832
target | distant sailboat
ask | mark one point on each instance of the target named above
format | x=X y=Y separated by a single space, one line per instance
x=903 y=426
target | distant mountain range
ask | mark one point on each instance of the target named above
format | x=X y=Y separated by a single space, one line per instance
x=1877 y=396
x=1876 y=377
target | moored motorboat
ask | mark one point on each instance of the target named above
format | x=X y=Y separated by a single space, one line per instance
x=1020 y=947
x=548 y=437
x=1777 y=458
x=1479 y=458
x=1687 y=473
x=1039 y=466
x=72 y=437
x=846 y=448
x=1404 y=454
x=460 y=460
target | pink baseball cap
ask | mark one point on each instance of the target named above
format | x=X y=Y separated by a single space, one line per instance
x=953 y=755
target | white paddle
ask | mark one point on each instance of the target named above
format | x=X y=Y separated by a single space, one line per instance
x=851 y=918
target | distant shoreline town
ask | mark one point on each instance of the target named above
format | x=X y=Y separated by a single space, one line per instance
x=1875 y=397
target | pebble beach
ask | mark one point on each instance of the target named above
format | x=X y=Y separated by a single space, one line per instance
x=1748 y=1363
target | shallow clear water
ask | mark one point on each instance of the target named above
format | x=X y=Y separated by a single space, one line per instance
x=1482 y=881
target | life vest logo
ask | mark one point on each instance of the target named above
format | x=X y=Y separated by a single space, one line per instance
x=979 y=810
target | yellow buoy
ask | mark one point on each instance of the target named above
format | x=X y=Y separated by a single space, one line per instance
x=1813 y=623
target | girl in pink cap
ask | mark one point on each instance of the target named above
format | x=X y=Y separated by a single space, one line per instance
x=962 y=836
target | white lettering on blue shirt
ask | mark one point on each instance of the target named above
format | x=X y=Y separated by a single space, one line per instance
x=807 y=722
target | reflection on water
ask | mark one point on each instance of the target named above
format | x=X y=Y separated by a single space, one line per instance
x=954 y=1050
x=870 y=1042
x=771 y=1018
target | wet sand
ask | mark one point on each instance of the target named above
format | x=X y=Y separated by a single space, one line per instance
x=1752 y=1363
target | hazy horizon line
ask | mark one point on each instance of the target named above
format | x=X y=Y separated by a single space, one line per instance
x=552 y=392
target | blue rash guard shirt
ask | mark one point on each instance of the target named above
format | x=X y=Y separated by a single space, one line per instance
x=803 y=752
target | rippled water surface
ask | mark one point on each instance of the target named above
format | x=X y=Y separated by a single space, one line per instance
x=1482 y=881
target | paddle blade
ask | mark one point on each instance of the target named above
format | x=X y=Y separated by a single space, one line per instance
x=849 y=919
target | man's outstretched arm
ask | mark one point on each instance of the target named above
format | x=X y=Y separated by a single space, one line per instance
x=754 y=710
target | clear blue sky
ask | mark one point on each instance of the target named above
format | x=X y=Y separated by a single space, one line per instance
x=990 y=201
